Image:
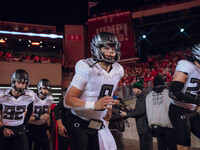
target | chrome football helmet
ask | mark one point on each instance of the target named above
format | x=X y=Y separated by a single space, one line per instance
x=43 y=83
x=108 y=40
x=195 y=54
x=20 y=75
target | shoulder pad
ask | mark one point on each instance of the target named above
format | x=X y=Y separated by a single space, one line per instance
x=185 y=66
x=30 y=92
x=4 y=92
x=119 y=68
x=50 y=98
x=183 y=62
x=83 y=67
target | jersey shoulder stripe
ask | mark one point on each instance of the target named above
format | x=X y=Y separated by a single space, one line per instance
x=186 y=66
x=83 y=67
x=50 y=98
x=30 y=93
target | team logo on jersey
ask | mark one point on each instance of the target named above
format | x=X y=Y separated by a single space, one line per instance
x=99 y=73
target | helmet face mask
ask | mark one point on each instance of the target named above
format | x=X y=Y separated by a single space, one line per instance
x=107 y=41
x=196 y=53
x=43 y=84
x=20 y=76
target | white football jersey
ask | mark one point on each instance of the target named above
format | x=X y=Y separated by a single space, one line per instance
x=192 y=85
x=99 y=83
x=13 y=110
x=41 y=107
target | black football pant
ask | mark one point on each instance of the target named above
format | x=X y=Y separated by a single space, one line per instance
x=80 y=136
x=63 y=142
x=184 y=122
x=166 y=138
x=37 y=136
x=82 y=139
x=15 y=142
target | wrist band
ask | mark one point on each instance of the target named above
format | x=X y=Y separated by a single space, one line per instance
x=89 y=105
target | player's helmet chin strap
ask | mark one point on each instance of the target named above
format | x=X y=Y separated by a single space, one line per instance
x=94 y=63
x=19 y=90
x=42 y=95
x=109 y=60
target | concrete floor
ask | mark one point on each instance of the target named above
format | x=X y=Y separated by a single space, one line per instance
x=131 y=144
x=131 y=136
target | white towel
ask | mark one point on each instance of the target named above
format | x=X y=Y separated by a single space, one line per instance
x=106 y=140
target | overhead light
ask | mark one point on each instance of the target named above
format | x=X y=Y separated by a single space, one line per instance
x=41 y=46
x=20 y=39
x=144 y=36
x=35 y=43
x=181 y=30
x=53 y=36
x=28 y=45
x=54 y=47
x=2 y=41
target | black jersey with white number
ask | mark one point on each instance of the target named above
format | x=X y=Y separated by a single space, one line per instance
x=13 y=109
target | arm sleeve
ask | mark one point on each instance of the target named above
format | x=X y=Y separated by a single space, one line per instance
x=29 y=113
x=176 y=94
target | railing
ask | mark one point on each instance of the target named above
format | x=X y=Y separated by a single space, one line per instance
x=126 y=91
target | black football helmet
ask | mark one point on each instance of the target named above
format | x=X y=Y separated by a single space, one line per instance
x=43 y=83
x=195 y=54
x=20 y=75
x=105 y=39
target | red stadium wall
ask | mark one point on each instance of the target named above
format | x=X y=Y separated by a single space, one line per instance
x=36 y=71
x=74 y=43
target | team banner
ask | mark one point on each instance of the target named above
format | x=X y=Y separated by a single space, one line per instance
x=118 y=24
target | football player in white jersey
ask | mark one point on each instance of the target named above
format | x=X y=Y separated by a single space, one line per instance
x=90 y=95
x=15 y=109
x=185 y=90
x=38 y=131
